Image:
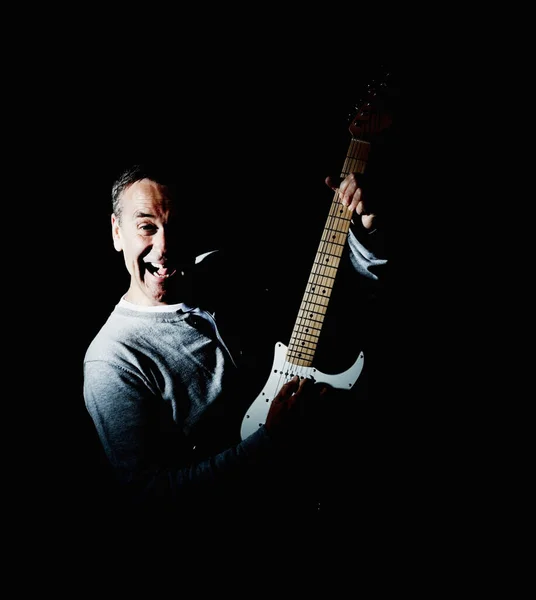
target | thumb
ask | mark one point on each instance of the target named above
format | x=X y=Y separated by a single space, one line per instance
x=330 y=182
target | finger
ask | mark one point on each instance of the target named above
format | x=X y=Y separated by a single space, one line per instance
x=288 y=389
x=304 y=383
x=323 y=390
x=368 y=220
x=303 y=393
x=350 y=192
x=364 y=210
x=353 y=200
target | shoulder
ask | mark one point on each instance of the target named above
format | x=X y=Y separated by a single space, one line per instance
x=223 y=260
x=109 y=341
x=227 y=271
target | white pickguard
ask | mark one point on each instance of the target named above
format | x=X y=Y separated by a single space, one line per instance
x=283 y=371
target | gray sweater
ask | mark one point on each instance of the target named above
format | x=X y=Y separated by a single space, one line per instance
x=150 y=378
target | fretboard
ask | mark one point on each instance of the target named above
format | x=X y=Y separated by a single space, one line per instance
x=313 y=307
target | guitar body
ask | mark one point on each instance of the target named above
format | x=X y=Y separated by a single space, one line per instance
x=282 y=371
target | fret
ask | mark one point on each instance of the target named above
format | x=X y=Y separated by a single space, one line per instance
x=315 y=301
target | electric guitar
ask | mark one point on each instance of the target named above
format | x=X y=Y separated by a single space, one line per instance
x=298 y=357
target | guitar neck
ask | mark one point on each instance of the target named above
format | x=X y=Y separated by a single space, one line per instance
x=314 y=304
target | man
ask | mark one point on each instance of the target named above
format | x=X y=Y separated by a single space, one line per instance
x=169 y=378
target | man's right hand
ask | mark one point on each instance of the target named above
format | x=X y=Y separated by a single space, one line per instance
x=293 y=406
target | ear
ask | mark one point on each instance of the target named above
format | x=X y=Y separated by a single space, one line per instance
x=116 y=234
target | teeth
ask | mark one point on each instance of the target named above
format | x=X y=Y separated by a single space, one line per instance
x=157 y=267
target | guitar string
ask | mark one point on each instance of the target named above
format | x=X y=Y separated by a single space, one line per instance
x=338 y=221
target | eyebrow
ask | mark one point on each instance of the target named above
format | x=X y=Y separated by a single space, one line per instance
x=140 y=214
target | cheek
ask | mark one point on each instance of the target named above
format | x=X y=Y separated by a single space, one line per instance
x=134 y=252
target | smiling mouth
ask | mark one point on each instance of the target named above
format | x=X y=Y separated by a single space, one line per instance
x=159 y=271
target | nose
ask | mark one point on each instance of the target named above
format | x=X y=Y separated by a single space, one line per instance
x=160 y=241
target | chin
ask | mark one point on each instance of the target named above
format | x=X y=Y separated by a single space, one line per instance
x=165 y=297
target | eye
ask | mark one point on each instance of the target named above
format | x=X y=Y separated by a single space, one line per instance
x=147 y=228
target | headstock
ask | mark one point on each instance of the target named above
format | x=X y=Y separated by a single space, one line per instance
x=375 y=110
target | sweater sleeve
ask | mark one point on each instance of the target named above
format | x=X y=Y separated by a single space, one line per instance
x=118 y=400
x=367 y=252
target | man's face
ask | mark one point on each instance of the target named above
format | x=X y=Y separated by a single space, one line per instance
x=147 y=236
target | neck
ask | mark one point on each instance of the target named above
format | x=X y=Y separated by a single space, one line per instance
x=178 y=293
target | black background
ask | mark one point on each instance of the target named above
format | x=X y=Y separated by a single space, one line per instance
x=253 y=142
x=254 y=107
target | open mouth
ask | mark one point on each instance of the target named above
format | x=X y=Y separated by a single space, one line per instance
x=160 y=271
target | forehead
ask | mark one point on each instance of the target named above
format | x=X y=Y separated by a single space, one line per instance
x=147 y=198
